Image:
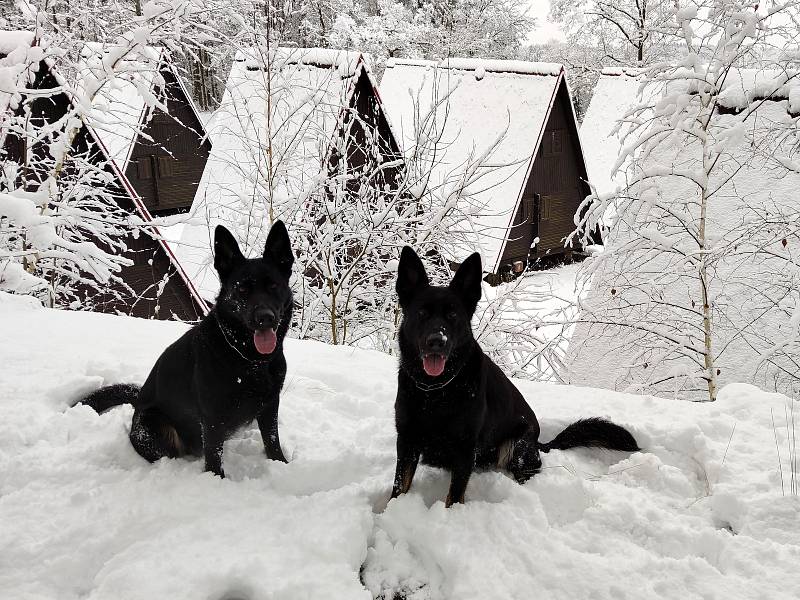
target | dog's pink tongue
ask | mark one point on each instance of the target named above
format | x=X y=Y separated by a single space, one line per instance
x=433 y=364
x=265 y=341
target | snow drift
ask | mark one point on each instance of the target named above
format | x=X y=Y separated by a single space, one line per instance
x=698 y=514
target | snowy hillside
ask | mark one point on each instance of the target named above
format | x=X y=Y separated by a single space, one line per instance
x=698 y=514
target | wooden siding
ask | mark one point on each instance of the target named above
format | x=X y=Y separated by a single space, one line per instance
x=156 y=289
x=554 y=190
x=144 y=290
x=166 y=171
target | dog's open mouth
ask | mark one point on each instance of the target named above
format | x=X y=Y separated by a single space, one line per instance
x=265 y=340
x=433 y=364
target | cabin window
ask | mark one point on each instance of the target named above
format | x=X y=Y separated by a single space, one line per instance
x=545 y=208
x=529 y=209
x=553 y=142
x=166 y=166
x=144 y=168
x=558 y=141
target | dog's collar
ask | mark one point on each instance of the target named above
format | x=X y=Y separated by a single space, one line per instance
x=225 y=333
x=432 y=387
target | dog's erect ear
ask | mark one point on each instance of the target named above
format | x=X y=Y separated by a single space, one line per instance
x=279 y=249
x=411 y=276
x=226 y=252
x=467 y=281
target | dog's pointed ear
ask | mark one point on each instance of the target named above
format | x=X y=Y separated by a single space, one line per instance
x=279 y=248
x=226 y=252
x=467 y=281
x=411 y=276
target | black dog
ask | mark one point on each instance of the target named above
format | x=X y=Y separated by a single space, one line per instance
x=455 y=408
x=225 y=371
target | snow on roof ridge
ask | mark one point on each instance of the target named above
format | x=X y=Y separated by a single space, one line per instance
x=622 y=71
x=345 y=61
x=522 y=67
x=11 y=39
x=519 y=67
x=412 y=62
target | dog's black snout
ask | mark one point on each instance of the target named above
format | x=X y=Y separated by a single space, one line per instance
x=264 y=318
x=435 y=342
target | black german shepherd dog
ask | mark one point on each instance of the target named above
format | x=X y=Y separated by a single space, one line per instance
x=225 y=371
x=455 y=408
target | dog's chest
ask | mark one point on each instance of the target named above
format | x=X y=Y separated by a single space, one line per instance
x=243 y=394
x=446 y=424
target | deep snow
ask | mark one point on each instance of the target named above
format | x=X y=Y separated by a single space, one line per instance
x=698 y=514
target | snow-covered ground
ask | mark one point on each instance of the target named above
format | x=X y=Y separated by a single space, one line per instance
x=698 y=514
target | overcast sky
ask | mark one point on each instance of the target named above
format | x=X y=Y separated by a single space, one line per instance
x=545 y=29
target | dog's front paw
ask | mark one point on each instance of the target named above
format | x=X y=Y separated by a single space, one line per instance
x=450 y=500
x=216 y=469
x=276 y=454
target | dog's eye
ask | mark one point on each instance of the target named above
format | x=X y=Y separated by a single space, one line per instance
x=451 y=316
x=243 y=287
x=273 y=285
x=422 y=313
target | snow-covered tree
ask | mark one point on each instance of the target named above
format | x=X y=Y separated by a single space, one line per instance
x=61 y=221
x=583 y=62
x=626 y=32
x=396 y=29
x=435 y=29
x=688 y=290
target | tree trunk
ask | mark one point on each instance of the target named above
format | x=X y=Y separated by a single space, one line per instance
x=708 y=363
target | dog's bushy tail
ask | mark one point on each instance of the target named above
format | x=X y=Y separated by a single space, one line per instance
x=110 y=396
x=592 y=433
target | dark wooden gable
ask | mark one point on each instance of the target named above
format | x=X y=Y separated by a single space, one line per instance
x=169 y=156
x=151 y=287
x=555 y=188
x=366 y=130
x=366 y=119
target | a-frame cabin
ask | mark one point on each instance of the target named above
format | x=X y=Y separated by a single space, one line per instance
x=155 y=285
x=535 y=178
x=274 y=137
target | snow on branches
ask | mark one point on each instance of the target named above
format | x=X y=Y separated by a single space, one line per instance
x=699 y=277
x=59 y=143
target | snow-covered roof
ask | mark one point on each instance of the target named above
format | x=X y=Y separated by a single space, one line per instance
x=616 y=93
x=124 y=84
x=618 y=90
x=477 y=101
x=304 y=90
